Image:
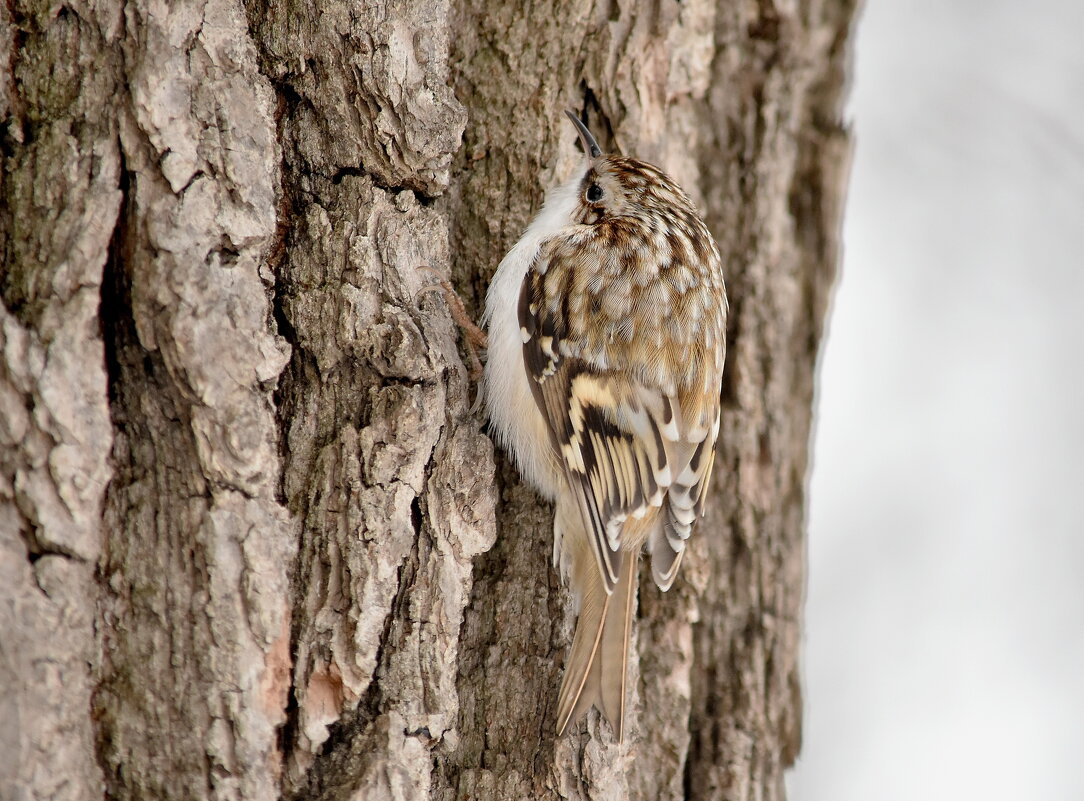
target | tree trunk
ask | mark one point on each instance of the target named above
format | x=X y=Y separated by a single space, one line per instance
x=254 y=540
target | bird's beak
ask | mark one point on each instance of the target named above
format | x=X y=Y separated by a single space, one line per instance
x=589 y=144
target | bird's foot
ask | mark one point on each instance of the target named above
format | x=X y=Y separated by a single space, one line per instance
x=475 y=337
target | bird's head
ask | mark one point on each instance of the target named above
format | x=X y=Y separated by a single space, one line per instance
x=611 y=186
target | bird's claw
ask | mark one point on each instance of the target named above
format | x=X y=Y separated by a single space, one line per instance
x=475 y=336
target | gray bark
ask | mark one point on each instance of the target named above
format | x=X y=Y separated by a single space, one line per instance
x=254 y=540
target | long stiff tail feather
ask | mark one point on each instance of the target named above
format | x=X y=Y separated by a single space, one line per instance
x=597 y=669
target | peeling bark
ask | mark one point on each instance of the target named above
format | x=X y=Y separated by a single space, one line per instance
x=254 y=540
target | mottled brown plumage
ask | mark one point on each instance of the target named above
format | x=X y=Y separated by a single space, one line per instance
x=610 y=404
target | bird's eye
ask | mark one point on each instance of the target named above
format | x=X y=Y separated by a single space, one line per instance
x=594 y=193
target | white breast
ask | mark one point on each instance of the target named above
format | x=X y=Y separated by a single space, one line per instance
x=517 y=421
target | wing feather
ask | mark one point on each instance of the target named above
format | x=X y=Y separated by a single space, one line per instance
x=626 y=447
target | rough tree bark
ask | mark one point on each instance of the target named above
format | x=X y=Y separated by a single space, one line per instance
x=254 y=542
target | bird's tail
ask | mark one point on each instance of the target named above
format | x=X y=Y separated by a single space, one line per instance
x=597 y=669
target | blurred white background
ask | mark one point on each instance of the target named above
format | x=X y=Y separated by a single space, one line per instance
x=944 y=649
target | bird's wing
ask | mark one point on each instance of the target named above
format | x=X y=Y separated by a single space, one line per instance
x=628 y=448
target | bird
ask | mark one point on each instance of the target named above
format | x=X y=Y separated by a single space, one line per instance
x=606 y=338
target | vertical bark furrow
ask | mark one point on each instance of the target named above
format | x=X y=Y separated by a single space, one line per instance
x=195 y=615
x=376 y=393
x=59 y=199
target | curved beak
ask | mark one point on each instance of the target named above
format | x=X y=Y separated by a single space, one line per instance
x=589 y=144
